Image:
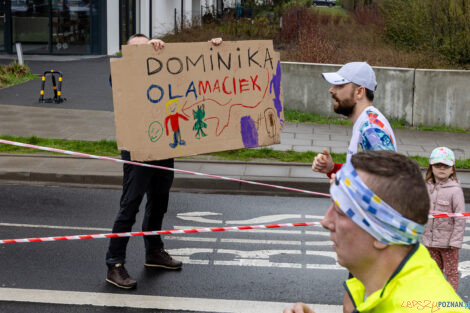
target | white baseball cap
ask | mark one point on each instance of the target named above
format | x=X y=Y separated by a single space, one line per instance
x=359 y=73
x=442 y=155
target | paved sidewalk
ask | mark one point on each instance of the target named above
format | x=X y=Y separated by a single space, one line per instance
x=95 y=125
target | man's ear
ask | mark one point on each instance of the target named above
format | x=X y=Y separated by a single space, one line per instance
x=379 y=245
x=360 y=92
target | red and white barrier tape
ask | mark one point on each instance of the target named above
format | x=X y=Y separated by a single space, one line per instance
x=188 y=231
x=91 y=156
x=442 y=214
x=160 y=232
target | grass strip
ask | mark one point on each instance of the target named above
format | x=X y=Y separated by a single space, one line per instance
x=8 y=79
x=109 y=148
x=102 y=147
x=268 y=154
x=14 y=74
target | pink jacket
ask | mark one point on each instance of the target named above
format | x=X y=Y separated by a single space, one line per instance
x=445 y=232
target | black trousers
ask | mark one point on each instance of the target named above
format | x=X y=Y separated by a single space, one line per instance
x=137 y=182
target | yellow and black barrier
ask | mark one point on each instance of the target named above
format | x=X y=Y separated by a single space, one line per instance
x=56 y=87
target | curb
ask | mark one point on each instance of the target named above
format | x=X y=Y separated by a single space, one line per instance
x=180 y=183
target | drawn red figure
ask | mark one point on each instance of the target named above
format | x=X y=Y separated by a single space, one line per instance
x=172 y=108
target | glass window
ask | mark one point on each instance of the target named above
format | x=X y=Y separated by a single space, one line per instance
x=2 y=26
x=30 y=24
x=52 y=26
x=71 y=26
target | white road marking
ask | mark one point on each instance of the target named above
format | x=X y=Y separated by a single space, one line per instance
x=184 y=255
x=319 y=243
x=262 y=242
x=325 y=267
x=329 y=254
x=252 y=241
x=317 y=217
x=188 y=238
x=265 y=219
x=317 y=233
x=257 y=258
x=464 y=268
x=466 y=238
x=257 y=254
x=188 y=260
x=189 y=251
x=199 y=217
x=258 y=263
x=150 y=302
x=197 y=213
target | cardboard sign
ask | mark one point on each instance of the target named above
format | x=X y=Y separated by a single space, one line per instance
x=195 y=98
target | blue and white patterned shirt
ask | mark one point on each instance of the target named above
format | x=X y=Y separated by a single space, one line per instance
x=371 y=131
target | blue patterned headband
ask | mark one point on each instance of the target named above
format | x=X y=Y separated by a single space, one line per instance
x=370 y=212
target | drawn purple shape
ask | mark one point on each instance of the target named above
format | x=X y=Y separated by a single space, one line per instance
x=249 y=132
x=276 y=83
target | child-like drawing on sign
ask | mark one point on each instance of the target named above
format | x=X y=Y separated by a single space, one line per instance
x=269 y=121
x=199 y=115
x=227 y=87
x=276 y=83
x=155 y=131
x=172 y=108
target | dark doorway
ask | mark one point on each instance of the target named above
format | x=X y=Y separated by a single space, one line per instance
x=126 y=20
x=5 y=33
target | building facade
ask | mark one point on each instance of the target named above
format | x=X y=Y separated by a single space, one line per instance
x=92 y=26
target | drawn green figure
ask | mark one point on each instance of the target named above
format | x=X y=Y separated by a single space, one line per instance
x=199 y=115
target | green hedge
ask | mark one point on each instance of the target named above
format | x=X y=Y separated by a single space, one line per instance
x=439 y=25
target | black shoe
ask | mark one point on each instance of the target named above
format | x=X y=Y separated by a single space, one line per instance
x=118 y=276
x=162 y=259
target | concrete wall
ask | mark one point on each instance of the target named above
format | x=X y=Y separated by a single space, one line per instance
x=442 y=97
x=427 y=97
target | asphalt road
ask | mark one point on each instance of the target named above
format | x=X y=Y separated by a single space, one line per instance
x=85 y=85
x=232 y=269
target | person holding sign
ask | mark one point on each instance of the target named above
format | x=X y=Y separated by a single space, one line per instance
x=137 y=182
x=379 y=208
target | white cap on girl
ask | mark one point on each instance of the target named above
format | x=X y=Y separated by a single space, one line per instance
x=442 y=155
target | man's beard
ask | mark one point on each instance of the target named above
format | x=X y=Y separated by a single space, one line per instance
x=346 y=106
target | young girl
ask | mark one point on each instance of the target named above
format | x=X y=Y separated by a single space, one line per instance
x=443 y=236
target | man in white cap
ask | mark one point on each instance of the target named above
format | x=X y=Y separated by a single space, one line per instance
x=353 y=91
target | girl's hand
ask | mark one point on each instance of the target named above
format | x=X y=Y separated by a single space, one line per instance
x=216 y=41
x=156 y=43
